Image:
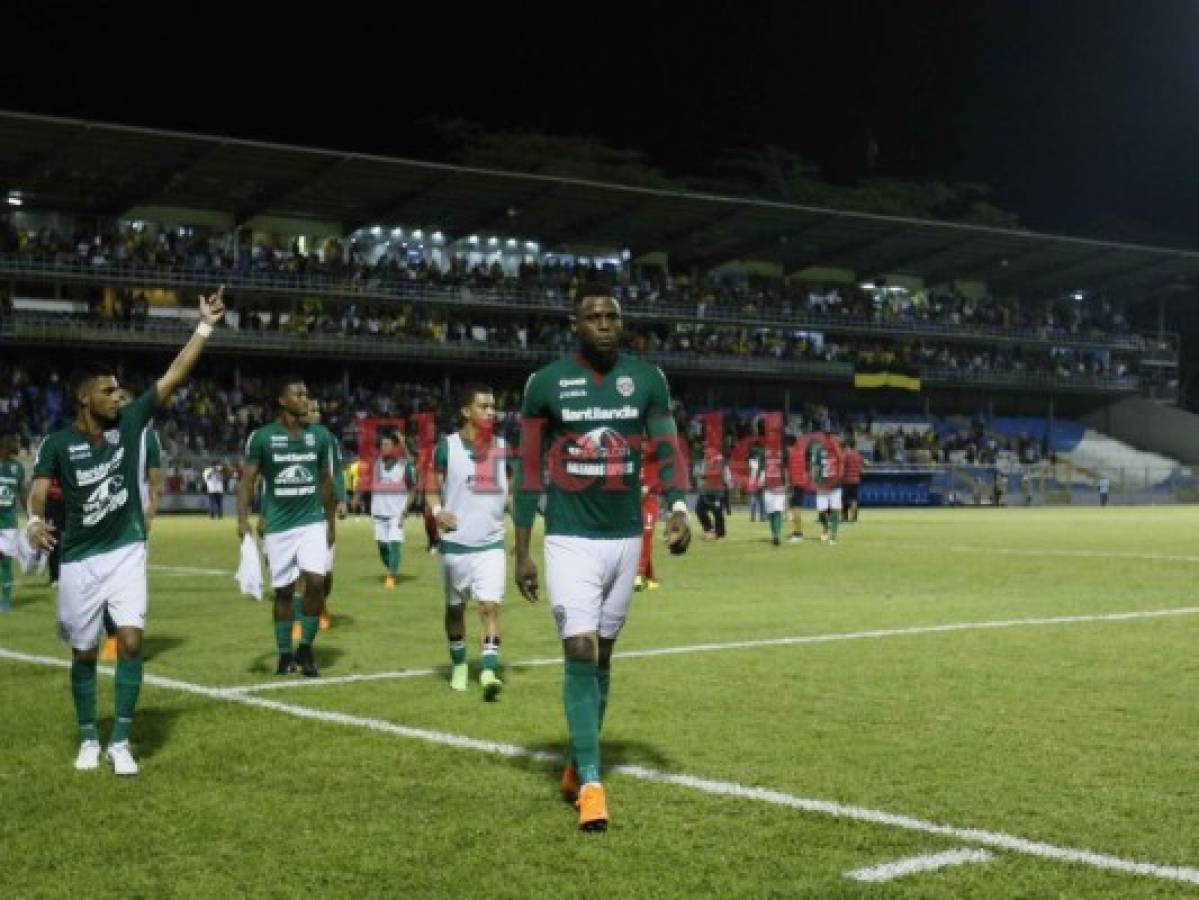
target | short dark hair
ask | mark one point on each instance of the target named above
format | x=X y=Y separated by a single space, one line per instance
x=593 y=289
x=467 y=395
x=86 y=371
x=284 y=381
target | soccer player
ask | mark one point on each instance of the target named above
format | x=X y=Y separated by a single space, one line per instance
x=713 y=477
x=468 y=495
x=594 y=410
x=300 y=508
x=392 y=479
x=650 y=510
x=12 y=498
x=795 y=464
x=337 y=473
x=150 y=450
x=98 y=463
x=852 y=464
x=823 y=471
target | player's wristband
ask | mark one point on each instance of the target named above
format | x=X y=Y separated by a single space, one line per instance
x=33 y=519
x=204 y=329
x=680 y=506
x=436 y=511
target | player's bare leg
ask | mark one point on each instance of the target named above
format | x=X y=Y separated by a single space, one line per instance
x=455 y=635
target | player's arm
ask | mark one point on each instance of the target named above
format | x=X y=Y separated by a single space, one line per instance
x=446 y=520
x=22 y=492
x=39 y=532
x=245 y=494
x=672 y=465
x=526 y=488
x=212 y=308
x=154 y=491
x=329 y=496
x=339 y=477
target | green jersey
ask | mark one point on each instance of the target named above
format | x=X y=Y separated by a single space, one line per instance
x=12 y=479
x=592 y=429
x=822 y=466
x=101 y=482
x=291 y=470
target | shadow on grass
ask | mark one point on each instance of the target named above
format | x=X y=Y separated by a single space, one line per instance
x=151 y=729
x=612 y=753
x=326 y=656
x=154 y=645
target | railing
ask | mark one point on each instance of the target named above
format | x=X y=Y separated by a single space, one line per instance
x=158 y=334
x=374 y=287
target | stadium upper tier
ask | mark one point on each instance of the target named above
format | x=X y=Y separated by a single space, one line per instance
x=835 y=310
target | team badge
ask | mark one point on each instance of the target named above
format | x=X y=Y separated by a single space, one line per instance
x=310 y=440
x=624 y=385
x=113 y=436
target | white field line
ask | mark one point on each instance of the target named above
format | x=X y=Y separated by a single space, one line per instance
x=915 y=864
x=765 y=642
x=188 y=570
x=994 y=839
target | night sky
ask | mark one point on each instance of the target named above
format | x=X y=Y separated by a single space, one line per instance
x=1083 y=116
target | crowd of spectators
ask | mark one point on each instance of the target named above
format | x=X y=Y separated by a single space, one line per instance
x=362 y=262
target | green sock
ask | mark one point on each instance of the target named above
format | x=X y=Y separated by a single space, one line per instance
x=457 y=651
x=581 y=697
x=6 y=580
x=394 y=551
x=776 y=524
x=283 y=636
x=491 y=652
x=309 y=626
x=128 y=686
x=297 y=607
x=603 y=676
x=384 y=553
x=83 y=690
x=834 y=522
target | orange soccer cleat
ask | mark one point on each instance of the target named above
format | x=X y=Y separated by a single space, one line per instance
x=593 y=808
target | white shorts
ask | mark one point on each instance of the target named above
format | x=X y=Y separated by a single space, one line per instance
x=303 y=549
x=826 y=500
x=776 y=502
x=8 y=542
x=478 y=576
x=389 y=528
x=590 y=582
x=115 y=581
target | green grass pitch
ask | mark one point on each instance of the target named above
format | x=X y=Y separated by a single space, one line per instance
x=1080 y=735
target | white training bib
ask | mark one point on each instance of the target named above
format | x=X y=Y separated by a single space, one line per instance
x=389 y=490
x=475 y=492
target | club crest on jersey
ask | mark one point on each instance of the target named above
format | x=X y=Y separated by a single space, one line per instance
x=624 y=386
x=112 y=436
x=310 y=440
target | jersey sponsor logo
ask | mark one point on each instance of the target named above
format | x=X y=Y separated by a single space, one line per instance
x=84 y=477
x=600 y=452
x=568 y=395
x=600 y=414
x=625 y=386
x=78 y=451
x=310 y=440
x=294 y=475
x=7 y=495
x=293 y=457
x=572 y=382
x=109 y=496
x=112 y=436
x=279 y=440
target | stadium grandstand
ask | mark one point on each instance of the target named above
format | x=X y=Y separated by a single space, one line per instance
x=387 y=282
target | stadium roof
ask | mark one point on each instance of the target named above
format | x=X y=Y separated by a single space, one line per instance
x=94 y=168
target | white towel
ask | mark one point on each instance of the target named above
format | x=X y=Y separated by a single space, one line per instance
x=29 y=559
x=249 y=570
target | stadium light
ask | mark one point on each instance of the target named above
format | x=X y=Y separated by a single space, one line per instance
x=376 y=231
x=438 y=237
x=397 y=232
x=418 y=234
x=493 y=241
x=626 y=255
x=14 y=198
x=474 y=239
x=511 y=242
